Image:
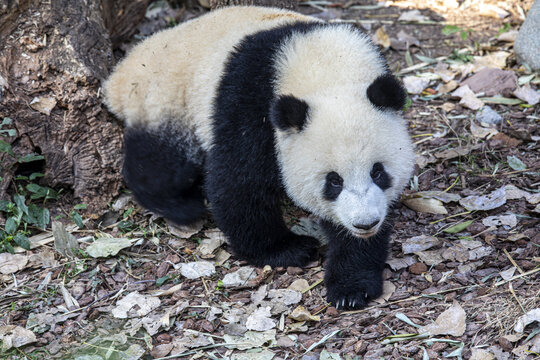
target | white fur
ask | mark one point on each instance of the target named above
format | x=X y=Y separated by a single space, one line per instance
x=331 y=70
x=174 y=74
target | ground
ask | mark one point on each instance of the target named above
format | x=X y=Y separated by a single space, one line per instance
x=465 y=257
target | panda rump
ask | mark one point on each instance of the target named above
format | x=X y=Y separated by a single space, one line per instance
x=245 y=105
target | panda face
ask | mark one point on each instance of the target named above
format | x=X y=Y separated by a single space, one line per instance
x=360 y=205
x=347 y=160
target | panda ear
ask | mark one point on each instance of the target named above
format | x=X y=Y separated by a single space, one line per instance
x=287 y=112
x=387 y=92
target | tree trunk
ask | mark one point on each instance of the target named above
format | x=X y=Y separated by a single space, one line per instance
x=286 y=4
x=53 y=57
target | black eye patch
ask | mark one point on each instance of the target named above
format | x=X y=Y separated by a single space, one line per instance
x=380 y=177
x=332 y=186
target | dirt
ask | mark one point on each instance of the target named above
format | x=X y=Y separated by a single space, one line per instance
x=489 y=268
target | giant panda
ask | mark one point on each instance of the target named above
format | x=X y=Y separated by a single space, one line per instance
x=245 y=105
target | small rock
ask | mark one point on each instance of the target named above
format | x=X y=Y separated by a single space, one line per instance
x=487 y=115
x=418 y=268
x=528 y=42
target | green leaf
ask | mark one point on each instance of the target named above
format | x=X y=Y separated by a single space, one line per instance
x=500 y=100
x=37 y=216
x=6 y=148
x=450 y=29
x=6 y=121
x=5 y=205
x=11 y=226
x=33 y=188
x=408 y=103
x=162 y=280
x=425 y=59
x=20 y=202
x=458 y=227
x=34 y=176
x=22 y=240
x=515 y=163
x=80 y=206
x=9 y=132
x=9 y=248
x=30 y=158
x=77 y=219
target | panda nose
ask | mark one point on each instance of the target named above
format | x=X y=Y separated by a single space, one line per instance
x=366 y=226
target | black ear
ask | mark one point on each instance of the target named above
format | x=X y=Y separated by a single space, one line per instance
x=387 y=92
x=288 y=112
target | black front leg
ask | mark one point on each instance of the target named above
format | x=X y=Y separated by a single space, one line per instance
x=354 y=266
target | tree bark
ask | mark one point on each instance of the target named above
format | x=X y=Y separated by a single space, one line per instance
x=53 y=57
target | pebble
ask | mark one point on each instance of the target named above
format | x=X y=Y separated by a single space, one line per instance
x=487 y=115
x=528 y=42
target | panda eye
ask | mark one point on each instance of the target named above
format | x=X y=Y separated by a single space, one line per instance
x=334 y=179
x=380 y=177
x=332 y=186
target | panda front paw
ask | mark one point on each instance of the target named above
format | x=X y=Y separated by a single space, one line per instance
x=355 y=294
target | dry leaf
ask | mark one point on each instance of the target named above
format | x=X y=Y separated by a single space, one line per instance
x=13 y=336
x=299 y=285
x=286 y=296
x=43 y=104
x=260 y=320
x=105 y=246
x=482 y=132
x=381 y=38
x=415 y=84
x=445 y=88
x=430 y=257
x=185 y=231
x=400 y=263
x=301 y=314
x=419 y=243
x=450 y=322
x=496 y=59
x=508 y=36
x=505 y=220
x=524 y=320
x=425 y=205
x=197 y=269
x=11 y=263
x=413 y=16
x=135 y=305
x=251 y=339
x=240 y=277
x=479 y=354
x=486 y=202
x=526 y=93
x=388 y=290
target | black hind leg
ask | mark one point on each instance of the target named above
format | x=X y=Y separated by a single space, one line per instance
x=163 y=169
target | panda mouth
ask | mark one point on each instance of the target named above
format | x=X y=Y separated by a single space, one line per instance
x=364 y=234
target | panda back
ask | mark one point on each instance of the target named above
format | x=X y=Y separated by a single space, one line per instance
x=173 y=76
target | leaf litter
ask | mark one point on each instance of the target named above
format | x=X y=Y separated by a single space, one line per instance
x=474 y=153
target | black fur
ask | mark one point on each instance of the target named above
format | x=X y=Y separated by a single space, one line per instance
x=380 y=177
x=354 y=266
x=243 y=183
x=386 y=92
x=162 y=176
x=288 y=112
x=332 y=186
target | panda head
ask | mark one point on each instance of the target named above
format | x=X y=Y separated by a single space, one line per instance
x=344 y=151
